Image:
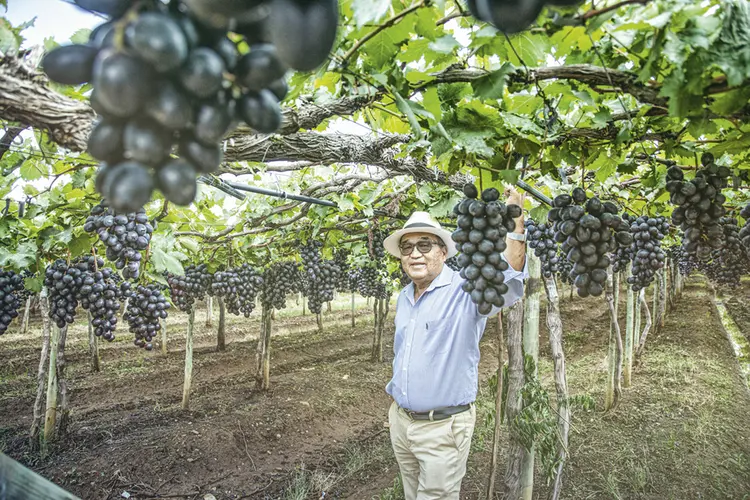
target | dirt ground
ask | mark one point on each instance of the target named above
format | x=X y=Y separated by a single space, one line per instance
x=680 y=431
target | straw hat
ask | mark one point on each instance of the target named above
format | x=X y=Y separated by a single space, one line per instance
x=420 y=222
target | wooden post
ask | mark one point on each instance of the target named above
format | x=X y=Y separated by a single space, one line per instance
x=209 y=311
x=164 y=349
x=221 y=336
x=319 y=320
x=614 y=387
x=50 y=415
x=514 y=400
x=629 y=329
x=555 y=327
x=662 y=297
x=498 y=408
x=26 y=313
x=354 y=322
x=533 y=293
x=17 y=482
x=328 y=307
x=644 y=334
x=93 y=348
x=303 y=305
x=267 y=350
x=36 y=424
x=63 y=408
x=655 y=301
x=188 y=361
x=612 y=352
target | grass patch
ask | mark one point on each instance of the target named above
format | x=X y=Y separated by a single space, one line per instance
x=394 y=492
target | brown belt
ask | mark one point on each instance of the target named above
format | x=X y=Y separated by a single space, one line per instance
x=437 y=414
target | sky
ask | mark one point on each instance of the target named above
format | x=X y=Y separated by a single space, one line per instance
x=56 y=18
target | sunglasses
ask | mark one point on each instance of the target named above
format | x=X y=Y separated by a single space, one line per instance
x=424 y=247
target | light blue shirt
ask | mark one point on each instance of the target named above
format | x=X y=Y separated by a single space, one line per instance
x=436 y=345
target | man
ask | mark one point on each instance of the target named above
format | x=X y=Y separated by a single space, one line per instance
x=435 y=368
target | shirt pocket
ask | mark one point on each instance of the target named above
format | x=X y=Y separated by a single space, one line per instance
x=438 y=336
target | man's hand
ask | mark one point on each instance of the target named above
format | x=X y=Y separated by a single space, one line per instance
x=513 y=197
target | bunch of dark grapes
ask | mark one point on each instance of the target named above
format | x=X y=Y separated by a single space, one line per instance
x=100 y=294
x=700 y=206
x=166 y=75
x=63 y=282
x=24 y=293
x=648 y=255
x=11 y=285
x=623 y=256
x=341 y=259
x=322 y=285
x=564 y=268
x=482 y=226
x=588 y=230
x=745 y=231
x=125 y=236
x=404 y=279
x=238 y=286
x=686 y=263
x=279 y=280
x=375 y=248
x=185 y=290
x=146 y=306
x=730 y=262
x=322 y=276
x=453 y=263
x=372 y=282
x=541 y=238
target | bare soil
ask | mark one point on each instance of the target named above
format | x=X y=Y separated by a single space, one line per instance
x=680 y=431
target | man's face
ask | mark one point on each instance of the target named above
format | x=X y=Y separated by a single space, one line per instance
x=423 y=268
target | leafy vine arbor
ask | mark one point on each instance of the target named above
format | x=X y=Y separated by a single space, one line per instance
x=607 y=96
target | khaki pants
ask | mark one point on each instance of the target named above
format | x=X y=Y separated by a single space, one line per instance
x=431 y=455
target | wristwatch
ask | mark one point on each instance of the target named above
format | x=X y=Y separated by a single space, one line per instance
x=517 y=236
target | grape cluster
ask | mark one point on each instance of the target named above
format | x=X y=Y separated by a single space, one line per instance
x=24 y=293
x=564 y=268
x=699 y=206
x=453 y=263
x=375 y=248
x=623 y=256
x=648 y=255
x=341 y=260
x=279 y=280
x=146 y=306
x=686 y=263
x=11 y=284
x=62 y=282
x=184 y=290
x=167 y=75
x=322 y=276
x=238 y=286
x=100 y=294
x=372 y=282
x=745 y=231
x=729 y=262
x=482 y=226
x=125 y=236
x=541 y=238
x=588 y=230
x=322 y=285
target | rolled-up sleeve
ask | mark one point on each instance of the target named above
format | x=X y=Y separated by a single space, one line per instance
x=514 y=279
